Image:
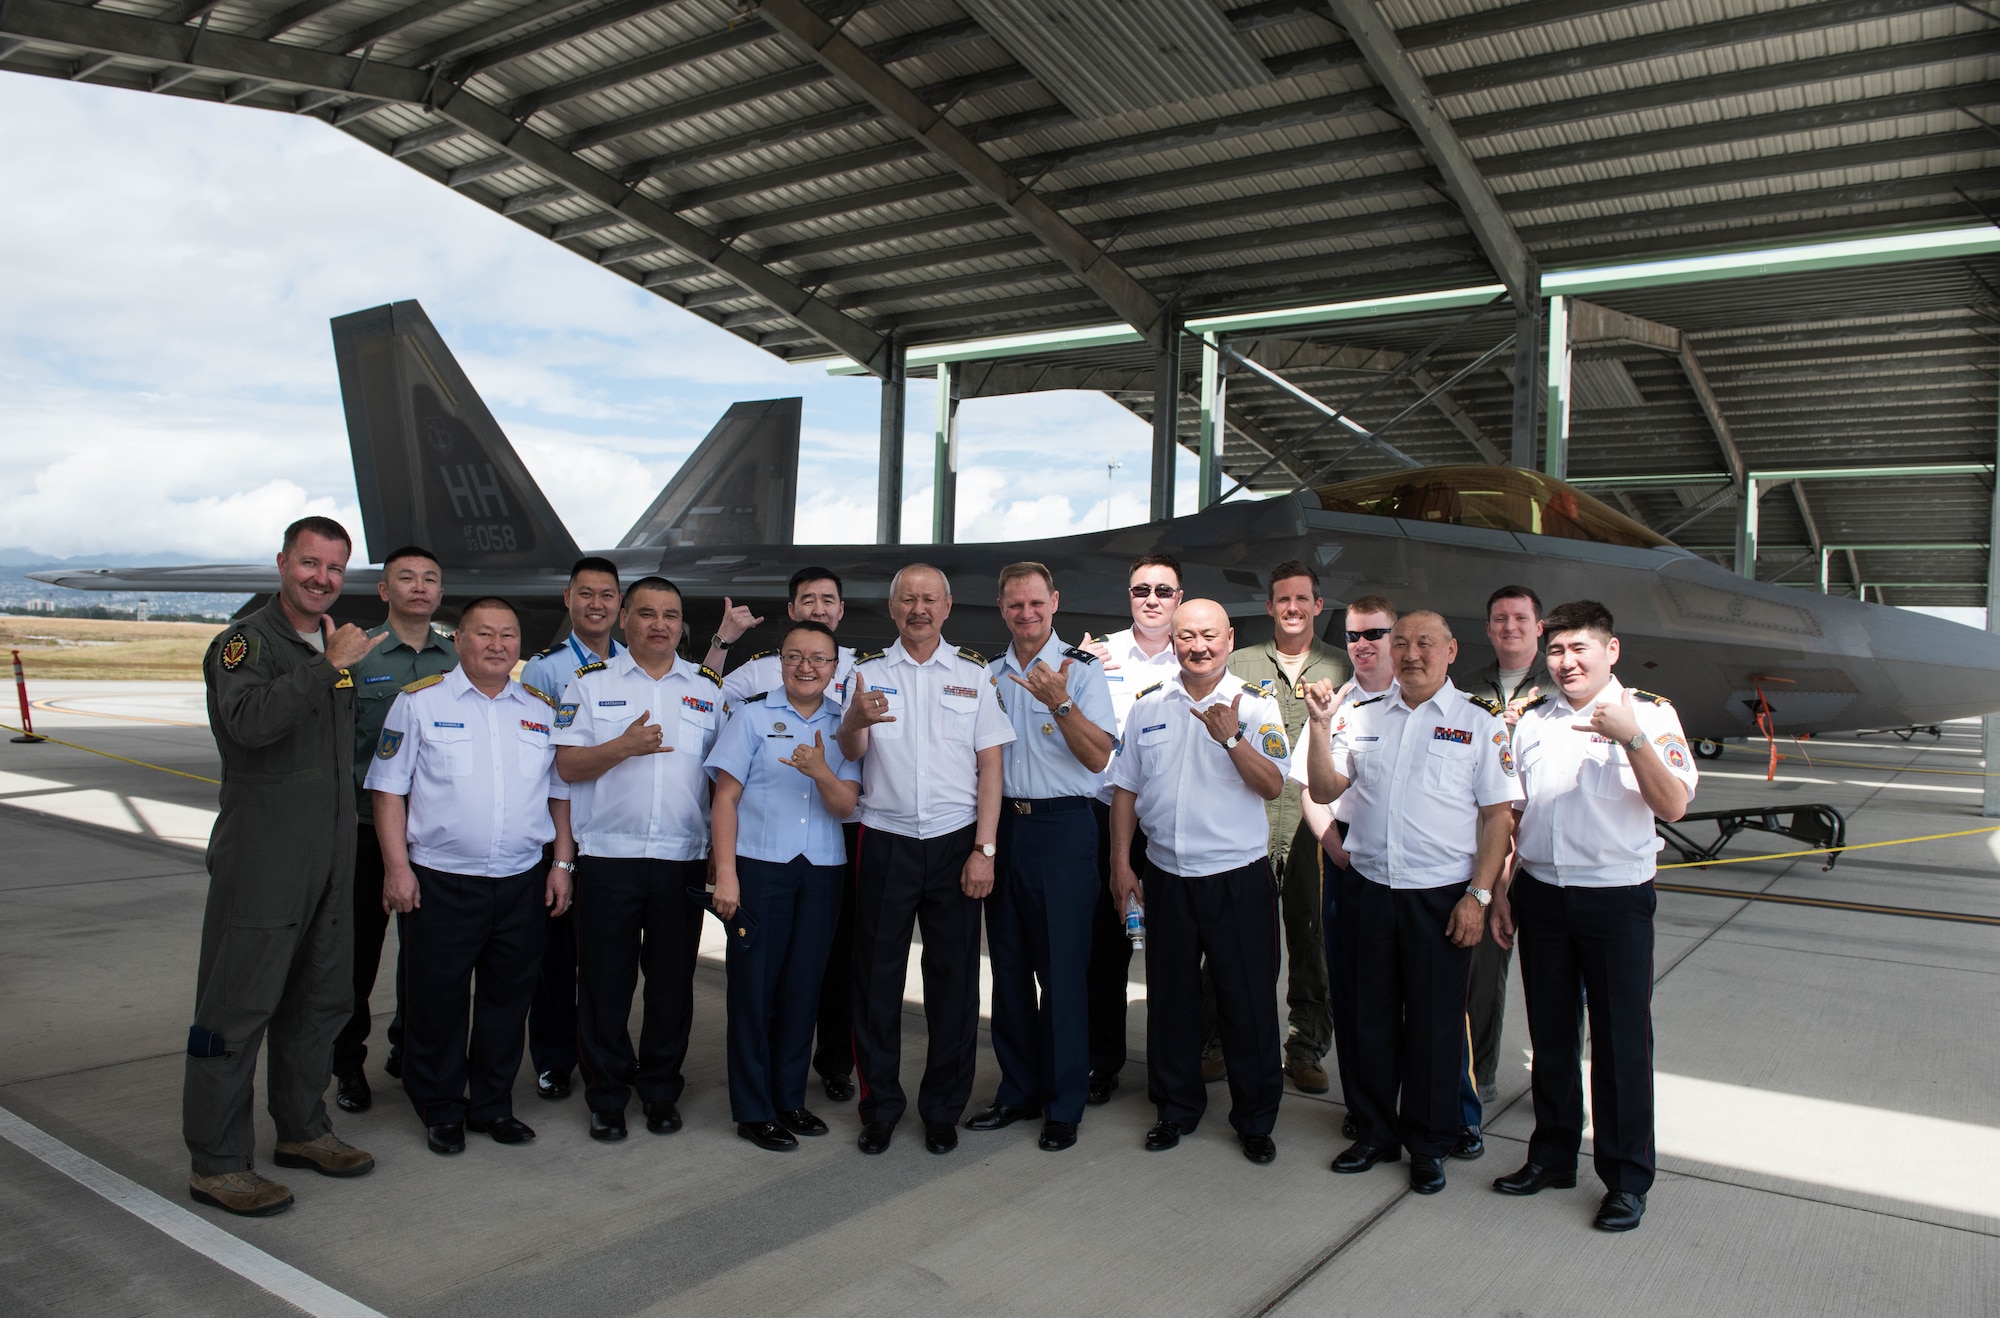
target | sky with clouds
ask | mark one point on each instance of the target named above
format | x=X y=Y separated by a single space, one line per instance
x=167 y=384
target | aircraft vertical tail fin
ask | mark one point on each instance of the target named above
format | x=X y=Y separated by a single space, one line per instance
x=431 y=465
x=739 y=487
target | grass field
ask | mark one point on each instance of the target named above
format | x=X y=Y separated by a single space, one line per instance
x=90 y=647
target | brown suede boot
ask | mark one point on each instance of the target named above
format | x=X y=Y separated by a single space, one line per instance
x=243 y=1193
x=329 y=1155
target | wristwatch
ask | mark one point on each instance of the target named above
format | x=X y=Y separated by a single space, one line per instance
x=987 y=849
x=1234 y=738
x=1484 y=896
x=567 y=866
x=1638 y=739
x=1063 y=710
x=718 y=643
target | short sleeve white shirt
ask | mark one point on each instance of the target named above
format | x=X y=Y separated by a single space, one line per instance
x=1039 y=762
x=478 y=770
x=1127 y=672
x=920 y=777
x=1197 y=813
x=1418 y=777
x=653 y=806
x=1583 y=823
x=550 y=672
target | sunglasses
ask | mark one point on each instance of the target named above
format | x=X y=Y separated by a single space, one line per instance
x=1163 y=592
x=1369 y=634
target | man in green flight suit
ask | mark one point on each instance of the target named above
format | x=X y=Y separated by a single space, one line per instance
x=1284 y=666
x=277 y=940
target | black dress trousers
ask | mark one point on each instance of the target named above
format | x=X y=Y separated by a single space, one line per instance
x=1038 y=924
x=635 y=915
x=371 y=931
x=552 y=1020
x=1407 y=983
x=833 y=1050
x=908 y=882
x=474 y=948
x=1110 y=954
x=1230 y=918
x=1340 y=999
x=774 y=981
x=1595 y=945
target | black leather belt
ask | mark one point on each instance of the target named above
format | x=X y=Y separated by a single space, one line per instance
x=1043 y=805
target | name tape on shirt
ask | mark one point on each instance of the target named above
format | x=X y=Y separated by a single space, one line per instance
x=885 y=690
x=1155 y=728
x=529 y=725
x=697 y=703
x=373 y=678
x=1457 y=736
x=440 y=723
x=609 y=704
x=965 y=692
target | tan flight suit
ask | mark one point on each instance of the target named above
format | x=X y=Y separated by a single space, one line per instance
x=277 y=943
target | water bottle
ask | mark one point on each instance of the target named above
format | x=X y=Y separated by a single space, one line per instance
x=1135 y=922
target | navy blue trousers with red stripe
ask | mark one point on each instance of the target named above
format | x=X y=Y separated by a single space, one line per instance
x=1595 y=944
x=1232 y=919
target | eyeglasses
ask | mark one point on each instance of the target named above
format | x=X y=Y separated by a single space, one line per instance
x=1369 y=634
x=1164 y=592
x=793 y=659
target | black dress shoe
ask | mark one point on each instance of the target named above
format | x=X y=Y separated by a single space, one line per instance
x=662 y=1117
x=940 y=1136
x=1359 y=1157
x=1620 y=1211
x=351 y=1093
x=839 y=1088
x=1426 y=1173
x=446 y=1139
x=1533 y=1179
x=1101 y=1087
x=393 y=1064
x=1470 y=1147
x=1259 y=1149
x=801 y=1122
x=1163 y=1136
x=504 y=1130
x=1057 y=1136
x=997 y=1116
x=552 y=1085
x=1350 y=1129
x=875 y=1136
x=607 y=1126
x=767 y=1135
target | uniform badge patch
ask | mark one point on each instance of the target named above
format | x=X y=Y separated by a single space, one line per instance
x=392 y=741
x=777 y=727
x=1507 y=762
x=565 y=715
x=1458 y=736
x=1676 y=757
x=966 y=692
x=1499 y=739
x=697 y=703
x=1274 y=743
x=234 y=651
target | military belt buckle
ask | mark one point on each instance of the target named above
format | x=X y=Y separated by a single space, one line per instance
x=1020 y=807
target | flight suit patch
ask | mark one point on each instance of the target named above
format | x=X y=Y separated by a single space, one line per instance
x=391 y=743
x=234 y=651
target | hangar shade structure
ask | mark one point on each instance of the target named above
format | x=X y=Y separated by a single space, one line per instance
x=862 y=178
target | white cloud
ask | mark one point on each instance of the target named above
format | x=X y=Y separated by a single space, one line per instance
x=167 y=272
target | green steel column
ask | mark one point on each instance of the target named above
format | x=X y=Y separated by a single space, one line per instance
x=1555 y=457
x=944 y=459
x=1214 y=397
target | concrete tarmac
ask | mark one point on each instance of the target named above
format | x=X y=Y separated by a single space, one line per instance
x=1829 y=1093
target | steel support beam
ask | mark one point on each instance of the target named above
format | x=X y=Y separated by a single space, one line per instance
x=1746 y=527
x=889 y=475
x=944 y=460
x=1812 y=529
x=1166 y=427
x=1555 y=453
x=1989 y=804
x=1529 y=381
x=819 y=40
x=268 y=62
x=1463 y=183
x=1214 y=410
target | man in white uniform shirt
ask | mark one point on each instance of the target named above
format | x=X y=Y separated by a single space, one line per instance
x=1133 y=660
x=1201 y=754
x=1599 y=762
x=924 y=722
x=815 y=597
x=466 y=797
x=631 y=737
x=1433 y=816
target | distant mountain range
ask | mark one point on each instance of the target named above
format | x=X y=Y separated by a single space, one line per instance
x=31 y=560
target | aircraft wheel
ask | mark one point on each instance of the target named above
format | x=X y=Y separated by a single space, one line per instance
x=1707 y=748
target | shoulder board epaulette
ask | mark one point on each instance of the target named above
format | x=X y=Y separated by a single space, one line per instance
x=751 y=700
x=1149 y=691
x=1648 y=696
x=423 y=682
x=709 y=673
x=1371 y=700
x=559 y=645
x=1539 y=700
x=863 y=656
x=1079 y=654
x=1492 y=707
x=540 y=695
x=594 y=666
x=1254 y=689
x=761 y=654
x=971 y=655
